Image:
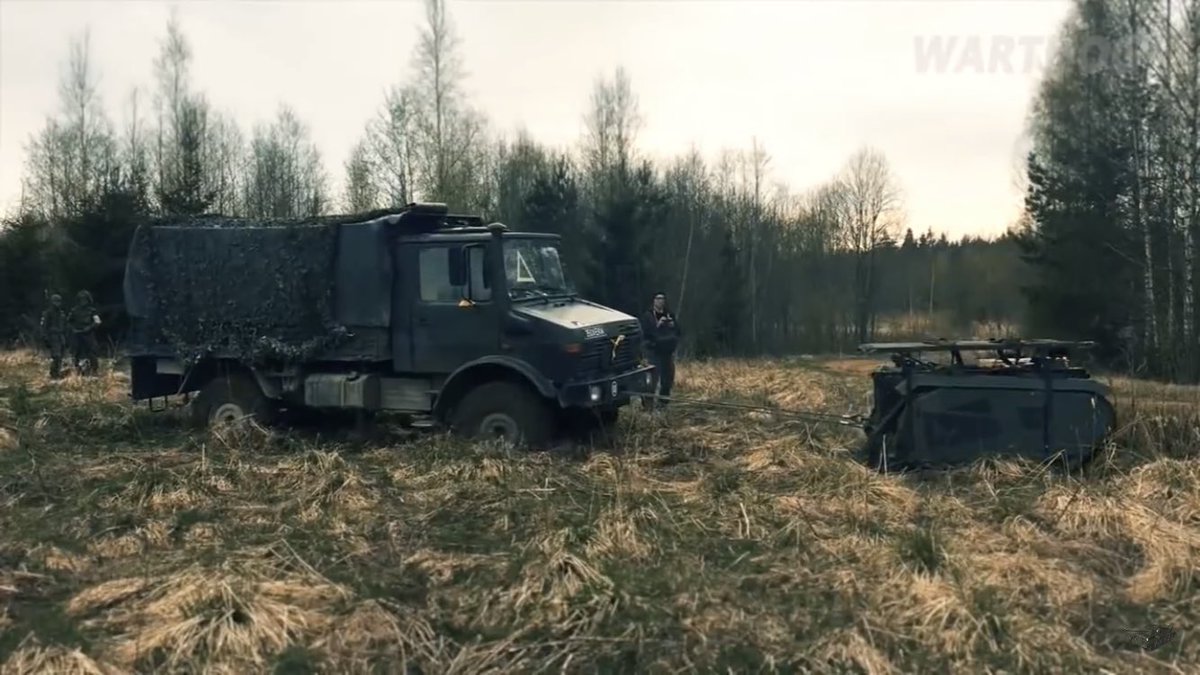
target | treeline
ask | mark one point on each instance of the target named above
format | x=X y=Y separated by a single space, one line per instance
x=750 y=266
x=1114 y=194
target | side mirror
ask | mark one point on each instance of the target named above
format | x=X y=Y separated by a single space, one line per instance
x=457 y=265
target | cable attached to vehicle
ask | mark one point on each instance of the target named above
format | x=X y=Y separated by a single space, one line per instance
x=858 y=421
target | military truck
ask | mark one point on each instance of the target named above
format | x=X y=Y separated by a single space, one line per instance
x=414 y=310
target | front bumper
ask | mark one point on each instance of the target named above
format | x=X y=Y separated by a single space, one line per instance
x=606 y=391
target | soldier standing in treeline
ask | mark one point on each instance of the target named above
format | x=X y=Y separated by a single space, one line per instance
x=54 y=334
x=84 y=321
x=661 y=332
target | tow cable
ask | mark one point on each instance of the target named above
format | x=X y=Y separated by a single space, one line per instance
x=857 y=421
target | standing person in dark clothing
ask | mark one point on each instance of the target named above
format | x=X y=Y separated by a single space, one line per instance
x=661 y=332
x=54 y=334
x=84 y=320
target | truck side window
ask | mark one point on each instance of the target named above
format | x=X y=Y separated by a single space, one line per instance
x=481 y=290
x=434 y=264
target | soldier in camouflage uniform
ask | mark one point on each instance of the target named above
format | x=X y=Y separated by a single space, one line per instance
x=84 y=321
x=54 y=333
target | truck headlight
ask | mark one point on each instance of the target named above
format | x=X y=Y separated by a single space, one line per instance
x=594 y=392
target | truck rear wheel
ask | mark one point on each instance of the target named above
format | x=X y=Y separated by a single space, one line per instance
x=505 y=411
x=232 y=399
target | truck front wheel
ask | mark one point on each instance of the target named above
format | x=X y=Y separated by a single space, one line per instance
x=504 y=411
x=229 y=400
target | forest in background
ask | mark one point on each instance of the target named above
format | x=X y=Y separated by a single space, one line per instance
x=752 y=265
x=1114 y=185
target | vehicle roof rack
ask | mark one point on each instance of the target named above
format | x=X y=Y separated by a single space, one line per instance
x=412 y=217
x=999 y=344
x=424 y=217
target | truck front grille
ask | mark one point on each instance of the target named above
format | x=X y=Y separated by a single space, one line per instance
x=599 y=358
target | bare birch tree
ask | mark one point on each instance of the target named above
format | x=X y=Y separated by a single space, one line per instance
x=870 y=208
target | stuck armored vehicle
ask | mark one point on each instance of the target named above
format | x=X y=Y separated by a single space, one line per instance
x=1027 y=402
x=413 y=310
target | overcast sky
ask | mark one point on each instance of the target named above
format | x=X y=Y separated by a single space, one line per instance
x=942 y=87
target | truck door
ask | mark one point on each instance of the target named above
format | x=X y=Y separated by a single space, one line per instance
x=448 y=331
x=403 y=299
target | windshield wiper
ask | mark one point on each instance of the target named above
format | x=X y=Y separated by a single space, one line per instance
x=531 y=294
x=556 y=291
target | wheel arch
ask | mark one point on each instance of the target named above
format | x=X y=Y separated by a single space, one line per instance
x=488 y=369
x=207 y=370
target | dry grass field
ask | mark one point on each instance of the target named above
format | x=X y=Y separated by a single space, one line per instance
x=701 y=542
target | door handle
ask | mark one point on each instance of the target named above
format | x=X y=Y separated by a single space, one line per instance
x=423 y=321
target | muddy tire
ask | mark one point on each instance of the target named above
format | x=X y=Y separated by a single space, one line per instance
x=233 y=399
x=506 y=411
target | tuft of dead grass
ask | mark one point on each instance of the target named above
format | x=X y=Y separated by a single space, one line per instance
x=213 y=616
x=31 y=657
x=374 y=627
x=8 y=439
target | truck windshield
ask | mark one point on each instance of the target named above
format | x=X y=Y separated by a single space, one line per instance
x=533 y=269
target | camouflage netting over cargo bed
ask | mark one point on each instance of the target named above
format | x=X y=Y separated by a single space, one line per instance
x=256 y=291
